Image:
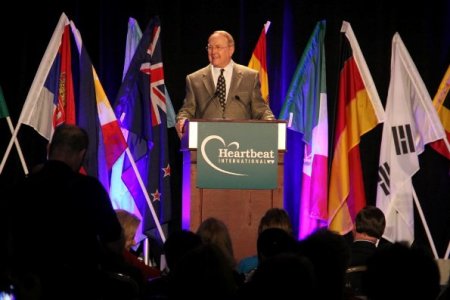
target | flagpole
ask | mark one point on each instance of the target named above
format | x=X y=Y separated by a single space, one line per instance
x=424 y=222
x=447 y=253
x=147 y=198
x=266 y=26
x=19 y=150
x=8 y=149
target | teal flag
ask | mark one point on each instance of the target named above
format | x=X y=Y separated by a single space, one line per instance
x=305 y=109
x=3 y=108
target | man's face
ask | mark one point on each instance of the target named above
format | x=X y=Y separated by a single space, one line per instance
x=219 y=52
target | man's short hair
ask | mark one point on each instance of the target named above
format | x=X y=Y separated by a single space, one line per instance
x=370 y=220
x=68 y=138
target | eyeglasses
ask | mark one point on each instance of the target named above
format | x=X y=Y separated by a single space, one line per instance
x=217 y=48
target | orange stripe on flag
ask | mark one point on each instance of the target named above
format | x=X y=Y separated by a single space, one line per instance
x=258 y=63
x=355 y=116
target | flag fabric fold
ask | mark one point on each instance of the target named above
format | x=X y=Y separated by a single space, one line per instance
x=305 y=109
x=44 y=108
x=4 y=112
x=359 y=110
x=258 y=62
x=441 y=102
x=141 y=106
x=119 y=193
x=411 y=123
x=97 y=117
x=50 y=100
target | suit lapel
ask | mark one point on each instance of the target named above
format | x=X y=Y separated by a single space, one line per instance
x=208 y=80
x=236 y=79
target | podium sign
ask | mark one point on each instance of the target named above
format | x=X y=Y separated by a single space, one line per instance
x=237 y=155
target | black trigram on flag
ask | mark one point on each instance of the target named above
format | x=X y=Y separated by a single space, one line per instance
x=383 y=177
x=403 y=139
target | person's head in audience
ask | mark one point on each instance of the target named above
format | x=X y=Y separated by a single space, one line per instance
x=274 y=241
x=215 y=231
x=330 y=254
x=203 y=273
x=401 y=272
x=275 y=218
x=178 y=243
x=369 y=224
x=283 y=276
x=130 y=223
x=69 y=145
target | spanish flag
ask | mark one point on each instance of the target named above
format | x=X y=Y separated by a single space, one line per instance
x=359 y=110
x=258 y=62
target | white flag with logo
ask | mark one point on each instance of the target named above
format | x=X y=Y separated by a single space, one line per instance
x=411 y=122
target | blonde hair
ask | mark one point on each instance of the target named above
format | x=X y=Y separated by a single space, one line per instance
x=129 y=222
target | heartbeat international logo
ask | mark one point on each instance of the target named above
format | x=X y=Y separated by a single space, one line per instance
x=232 y=155
x=237 y=155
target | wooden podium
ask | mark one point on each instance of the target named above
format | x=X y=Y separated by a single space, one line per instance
x=240 y=209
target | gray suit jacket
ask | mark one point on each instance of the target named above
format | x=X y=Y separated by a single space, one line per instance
x=244 y=100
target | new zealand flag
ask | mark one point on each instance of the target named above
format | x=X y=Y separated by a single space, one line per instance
x=141 y=107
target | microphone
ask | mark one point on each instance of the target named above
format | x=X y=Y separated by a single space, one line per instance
x=240 y=101
x=210 y=100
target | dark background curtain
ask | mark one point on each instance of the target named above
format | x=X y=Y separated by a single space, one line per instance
x=186 y=25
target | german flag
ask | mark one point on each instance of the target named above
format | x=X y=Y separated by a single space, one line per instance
x=359 y=110
x=258 y=62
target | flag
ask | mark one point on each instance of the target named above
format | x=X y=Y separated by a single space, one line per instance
x=442 y=104
x=119 y=193
x=4 y=113
x=305 y=108
x=3 y=108
x=141 y=105
x=258 y=62
x=50 y=100
x=134 y=35
x=52 y=89
x=359 y=110
x=411 y=122
x=97 y=117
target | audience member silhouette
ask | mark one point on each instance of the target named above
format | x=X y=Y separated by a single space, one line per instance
x=282 y=276
x=214 y=231
x=329 y=252
x=177 y=245
x=130 y=223
x=368 y=230
x=401 y=272
x=63 y=222
x=271 y=242
x=273 y=218
x=203 y=273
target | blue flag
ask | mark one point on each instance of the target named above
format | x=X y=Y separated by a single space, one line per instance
x=141 y=106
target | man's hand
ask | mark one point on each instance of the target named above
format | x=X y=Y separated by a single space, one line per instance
x=180 y=127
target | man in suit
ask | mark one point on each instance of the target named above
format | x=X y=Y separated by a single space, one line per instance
x=369 y=227
x=241 y=90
